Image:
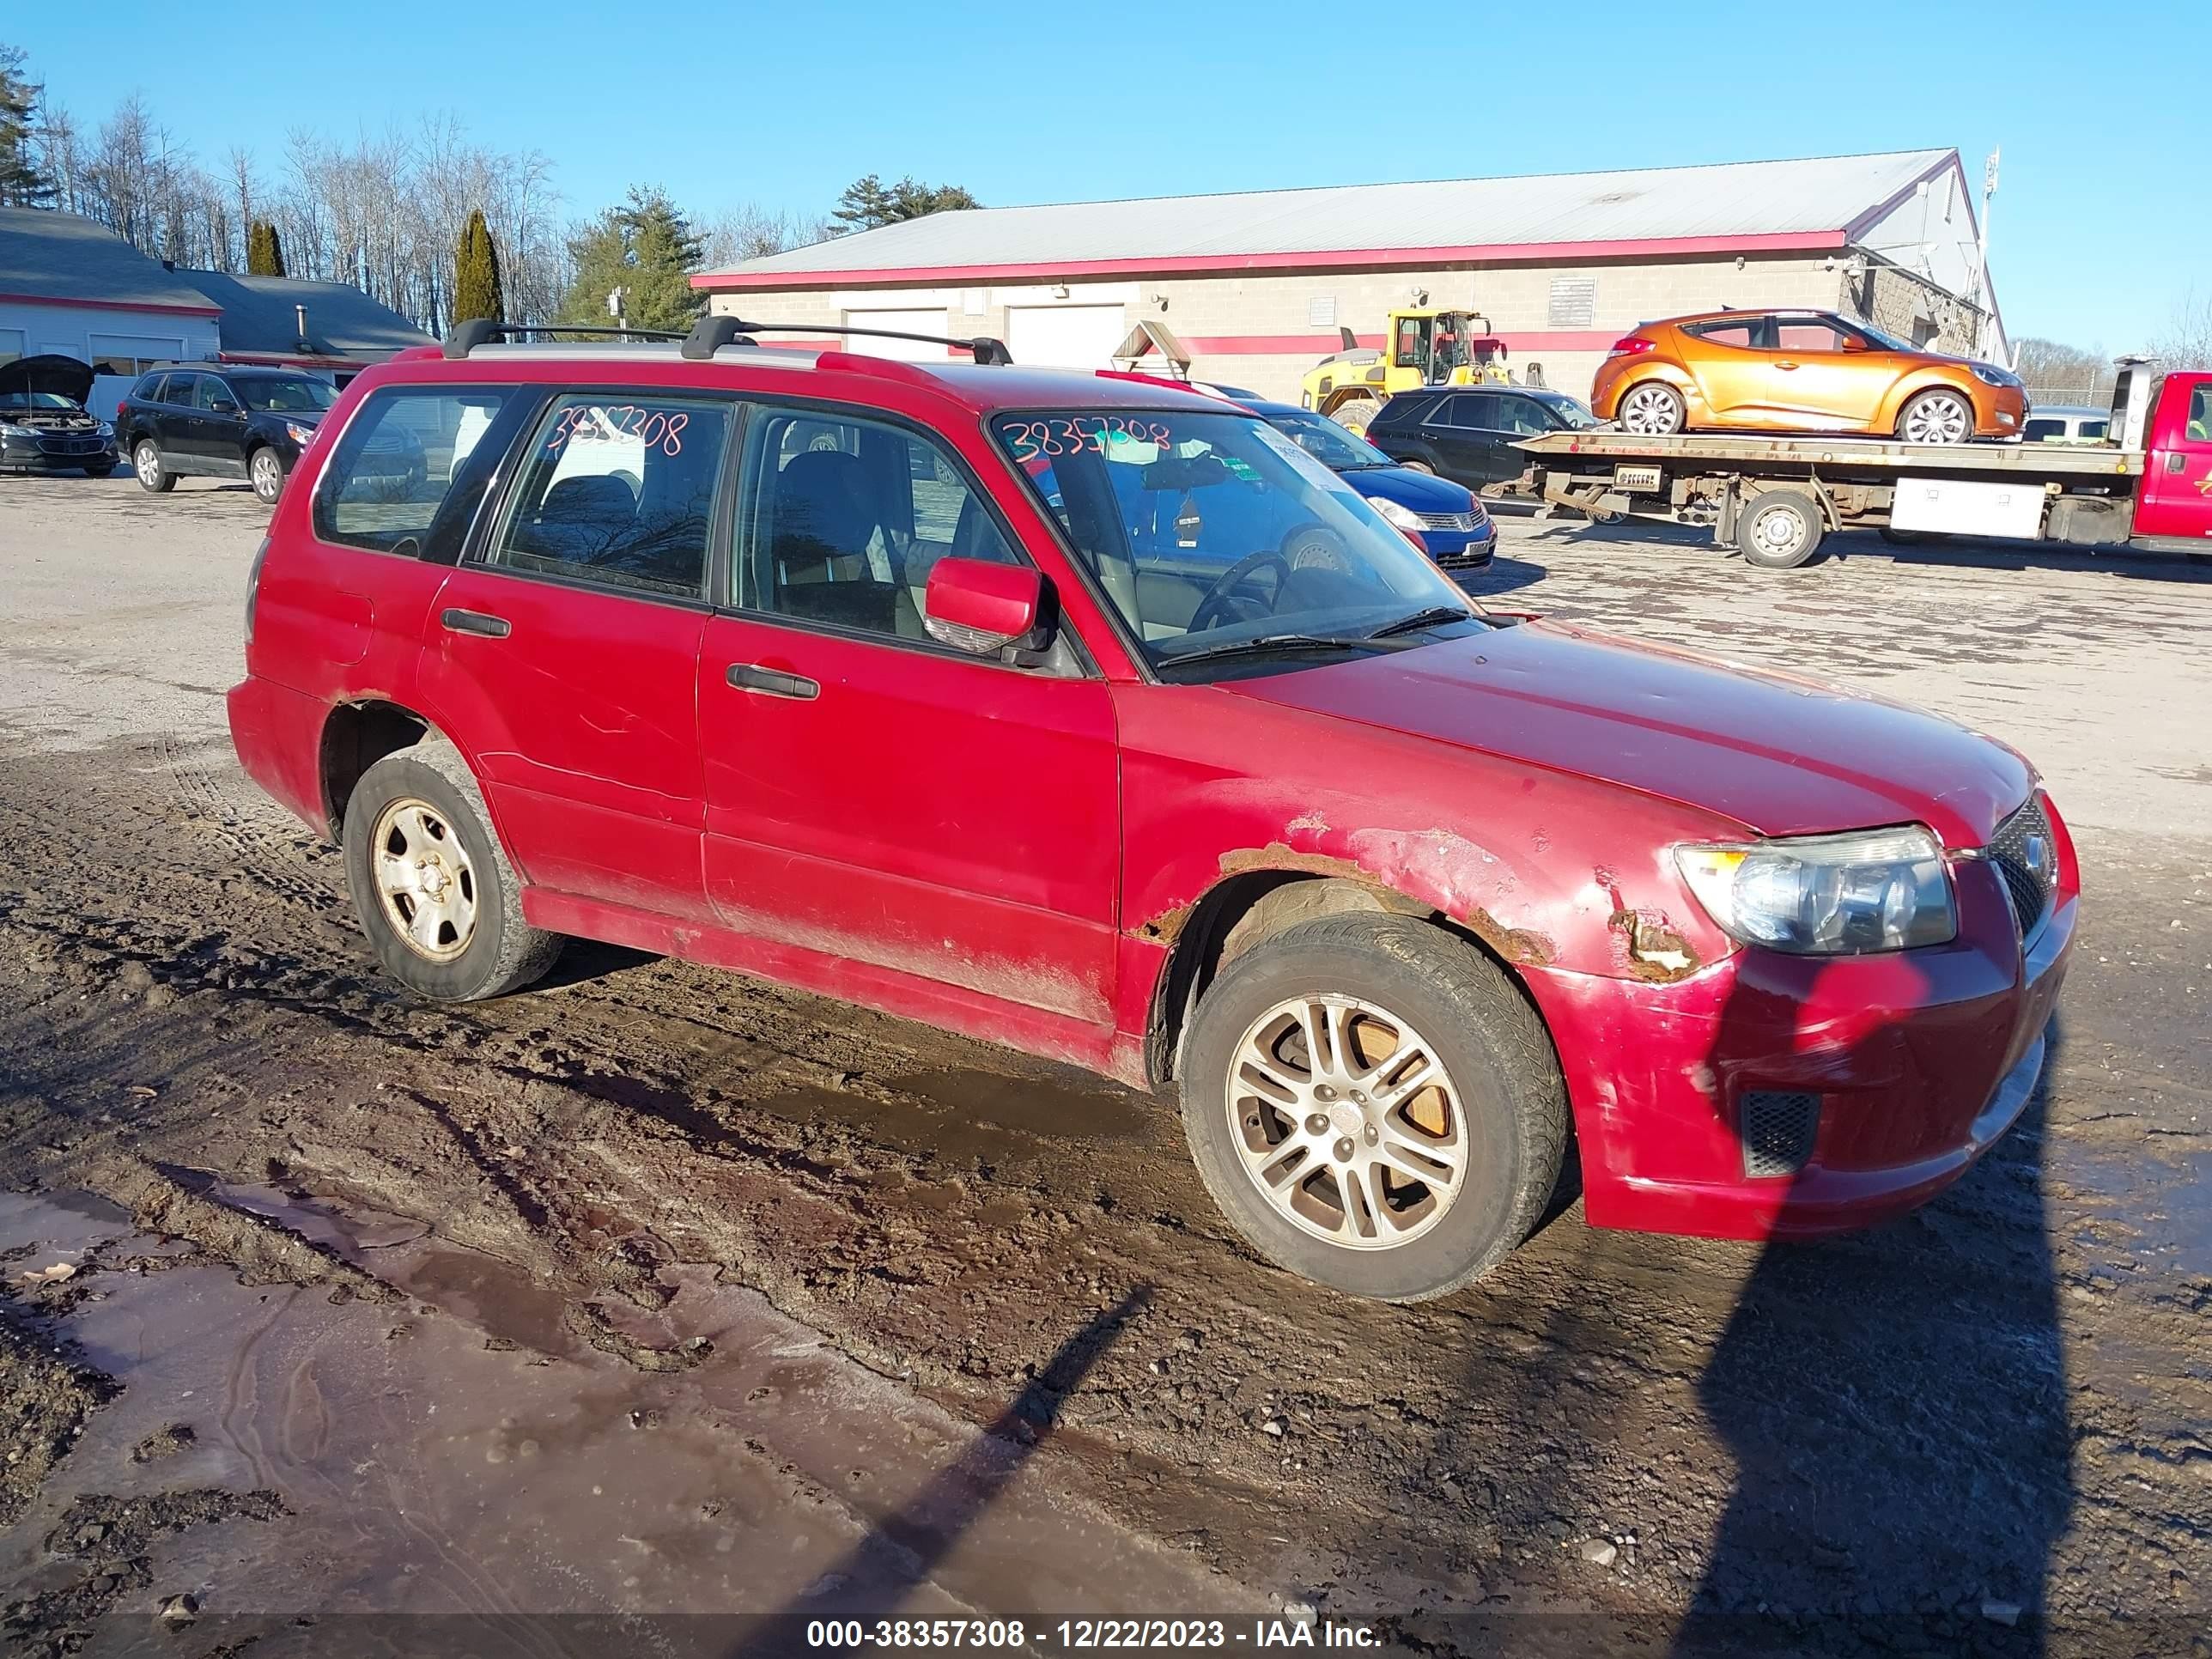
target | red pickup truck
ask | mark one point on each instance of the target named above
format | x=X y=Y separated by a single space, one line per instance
x=1099 y=720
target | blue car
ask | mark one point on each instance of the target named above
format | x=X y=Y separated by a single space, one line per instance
x=1447 y=516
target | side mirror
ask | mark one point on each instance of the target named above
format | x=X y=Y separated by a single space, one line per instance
x=981 y=607
x=222 y=406
x=1852 y=342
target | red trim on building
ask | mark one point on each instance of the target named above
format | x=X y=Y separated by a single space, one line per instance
x=1321 y=345
x=1221 y=264
x=108 y=305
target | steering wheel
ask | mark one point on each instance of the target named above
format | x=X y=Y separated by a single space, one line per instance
x=1217 y=597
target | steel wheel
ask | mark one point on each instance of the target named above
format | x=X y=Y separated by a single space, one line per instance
x=1346 y=1121
x=267 y=473
x=423 y=879
x=1652 y=409
x=1937 y=417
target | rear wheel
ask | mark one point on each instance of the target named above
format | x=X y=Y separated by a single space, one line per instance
x=1356 y=415
x=1651 y=409
x=146 y=462
x=266 y=469
x=434 y=890
x=1419 y=466
x=1779 y=530
x=1373 y=1105
x=1941 y=416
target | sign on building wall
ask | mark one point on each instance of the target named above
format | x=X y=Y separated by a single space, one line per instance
x=1320 y=310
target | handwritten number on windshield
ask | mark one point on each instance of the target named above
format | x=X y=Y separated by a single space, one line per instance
x=1031 y=439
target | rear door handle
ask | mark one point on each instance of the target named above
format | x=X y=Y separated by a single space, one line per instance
x=772 y=682
x=477 y=622
x=1785 y=365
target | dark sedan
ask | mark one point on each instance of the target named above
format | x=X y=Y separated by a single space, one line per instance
x=1449 y=521
x=43 y=424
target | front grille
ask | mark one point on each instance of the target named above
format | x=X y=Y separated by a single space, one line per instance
x=1777 y=1131
x=2028 y=858
x=71 y=446
x=1466 y=559
x=1467 y=521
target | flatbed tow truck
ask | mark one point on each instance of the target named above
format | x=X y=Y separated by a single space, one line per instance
x=1775 y=497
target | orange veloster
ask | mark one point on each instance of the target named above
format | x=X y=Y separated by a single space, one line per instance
x=1800 y=371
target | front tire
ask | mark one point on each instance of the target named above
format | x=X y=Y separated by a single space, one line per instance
x=1373 y=1105
x=146 y=463
x=1651 y=409
x=1357 y=416
x=264 y=468
x=442 y=905
x=1941 y=416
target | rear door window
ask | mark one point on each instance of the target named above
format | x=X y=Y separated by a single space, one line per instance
x=148 y=390
x=1744 y=336
x=412 y=466
x=619 y=490
x=1472 y=411
x=1522 y=416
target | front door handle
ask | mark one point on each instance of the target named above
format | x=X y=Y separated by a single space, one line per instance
x=1785 y=365
x=477 y=622
x=772 y=682
x=2177 y=462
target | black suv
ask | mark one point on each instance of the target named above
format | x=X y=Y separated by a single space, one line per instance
x=1467 y=433
x=217 y=421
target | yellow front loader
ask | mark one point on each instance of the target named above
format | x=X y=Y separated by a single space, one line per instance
x=1426 y=346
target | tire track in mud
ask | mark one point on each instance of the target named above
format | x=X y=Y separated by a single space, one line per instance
x=646 y=1113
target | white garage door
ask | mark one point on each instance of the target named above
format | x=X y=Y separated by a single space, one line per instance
x=1064 y=337
x=909 y=322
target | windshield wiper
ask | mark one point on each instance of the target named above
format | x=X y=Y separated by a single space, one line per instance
x=1433 y=617
x=1265 y=644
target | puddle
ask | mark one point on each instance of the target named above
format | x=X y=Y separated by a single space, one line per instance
x=1034 y=1105
x=427 y=1465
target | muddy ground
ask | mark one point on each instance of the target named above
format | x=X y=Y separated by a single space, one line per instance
x=661 y=1299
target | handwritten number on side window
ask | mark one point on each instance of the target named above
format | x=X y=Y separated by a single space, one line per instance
x=605 y=423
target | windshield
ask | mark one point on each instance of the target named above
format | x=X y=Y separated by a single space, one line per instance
x=1212 y=530
x=287 y=394
x=1886 y=342
x=1332 y=445
x=35 y=400
x=1572 y=411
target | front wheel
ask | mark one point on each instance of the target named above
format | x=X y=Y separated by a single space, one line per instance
x=434 y=890
x=1373 y=1105
x=1942 y=417
x=146 y=462
x=266 y=471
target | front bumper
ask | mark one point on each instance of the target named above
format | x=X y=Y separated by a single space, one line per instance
x=1914 y=1064
x=2003 y=412
x=1461 y=549
x=58 y=453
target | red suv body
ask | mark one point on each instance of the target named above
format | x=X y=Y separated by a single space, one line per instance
x=996 y=699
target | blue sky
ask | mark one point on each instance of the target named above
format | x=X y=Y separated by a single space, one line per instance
x=2103 y=117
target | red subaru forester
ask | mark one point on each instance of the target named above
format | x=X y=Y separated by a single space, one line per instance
x=1095 y=718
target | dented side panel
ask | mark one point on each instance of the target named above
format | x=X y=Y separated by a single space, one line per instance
x=1538 y=865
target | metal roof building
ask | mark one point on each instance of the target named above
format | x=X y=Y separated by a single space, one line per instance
x=290 y=320
x=70 y=285
x=1257 y=284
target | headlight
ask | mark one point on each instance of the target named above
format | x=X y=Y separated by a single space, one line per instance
x=1403 y=518
x=9 y=430
x=297 y=434
x=1828 y=895
x=104 y=429
x=1991 y=374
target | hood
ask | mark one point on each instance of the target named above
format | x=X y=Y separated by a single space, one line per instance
x=1420 y=492
x=1779 y=756
x=50 y=373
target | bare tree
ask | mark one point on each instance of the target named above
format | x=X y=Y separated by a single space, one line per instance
x=750 y=231
x=2186 y=340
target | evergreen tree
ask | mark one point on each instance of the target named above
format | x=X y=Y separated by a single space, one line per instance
x=264 y=254
x=647 y=249
x=476 y=273
x=868 y=202
x=22 y=183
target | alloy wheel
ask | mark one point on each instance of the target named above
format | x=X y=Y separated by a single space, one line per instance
x=267 y=475
x=424 y=879
x=1346 y=1121
x=1650 y=410
x=1940 y=417
x=146 y=461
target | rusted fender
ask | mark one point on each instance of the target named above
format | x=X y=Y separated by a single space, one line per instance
x=1554 y=871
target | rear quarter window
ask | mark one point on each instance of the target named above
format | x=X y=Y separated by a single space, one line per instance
x=1406 y=409
x=412 y=465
